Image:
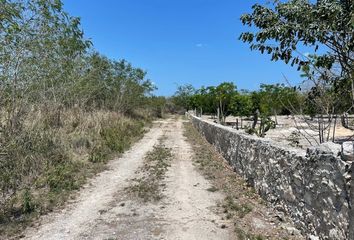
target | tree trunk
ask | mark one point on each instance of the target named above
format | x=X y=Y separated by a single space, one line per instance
x=334 y=128
x=330 y=119
x=221 y=112
x=319 y=129
x=218 y=112
x=255 y=119
x=275 y=117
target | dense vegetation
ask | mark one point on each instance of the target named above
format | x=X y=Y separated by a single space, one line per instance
x=64 y=108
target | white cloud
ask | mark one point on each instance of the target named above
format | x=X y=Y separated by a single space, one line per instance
x=200 y=45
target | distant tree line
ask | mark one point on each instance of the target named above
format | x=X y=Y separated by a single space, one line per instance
x=225 y=100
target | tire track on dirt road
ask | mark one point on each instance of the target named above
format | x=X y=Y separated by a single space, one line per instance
x=78 y=217
x=105 y=210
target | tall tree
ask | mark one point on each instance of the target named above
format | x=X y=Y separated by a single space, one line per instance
x=224 y=93
x=326 y=26
x=183 y=96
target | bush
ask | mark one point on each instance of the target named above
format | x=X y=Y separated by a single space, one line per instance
x=26 y=154
x=41 y=163
x=119 y=135
x=28 y=205
x=64 y=177
x=99 y=154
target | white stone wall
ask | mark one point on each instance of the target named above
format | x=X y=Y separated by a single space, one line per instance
x=311 y=186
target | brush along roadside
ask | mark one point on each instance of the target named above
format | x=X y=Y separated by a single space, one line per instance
x=43 y=164
x=251 y=217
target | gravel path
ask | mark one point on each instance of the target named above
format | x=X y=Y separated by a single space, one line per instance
x=190 y=206
x=104 y=210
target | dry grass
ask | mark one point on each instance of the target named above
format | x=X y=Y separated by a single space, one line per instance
x=241 y=204
x=148 y=187
x=47 y=158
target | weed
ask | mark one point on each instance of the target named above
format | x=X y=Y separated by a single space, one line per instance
x=232 y=207
x=99 y=153
x=212 y=189
x=28 y=205
x=236 y=204
x=294 y=139
x=64 y=177
x=243 y=235
x=148 y=186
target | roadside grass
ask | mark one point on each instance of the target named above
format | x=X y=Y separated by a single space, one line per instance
x=241 y=202
x=148 y=186
x=242 y=235
x=43 y=164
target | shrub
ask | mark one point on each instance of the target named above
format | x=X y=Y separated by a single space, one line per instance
x=64 y=177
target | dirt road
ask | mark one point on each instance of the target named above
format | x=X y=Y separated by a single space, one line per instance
x=104 y=209
x=170 y=185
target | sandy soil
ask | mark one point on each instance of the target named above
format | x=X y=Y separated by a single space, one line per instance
x=288 y=125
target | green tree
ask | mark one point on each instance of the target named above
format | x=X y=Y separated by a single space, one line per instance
x=183 y=96
x=326 y=26
x=273 y=99
x=224 y=93
x=241 y=104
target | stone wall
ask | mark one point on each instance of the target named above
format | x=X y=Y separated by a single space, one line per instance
x=312 y=187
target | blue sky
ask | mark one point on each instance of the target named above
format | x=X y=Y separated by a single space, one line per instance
x=179 y=41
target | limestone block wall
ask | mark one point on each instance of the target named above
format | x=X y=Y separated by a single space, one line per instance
x=311 y=186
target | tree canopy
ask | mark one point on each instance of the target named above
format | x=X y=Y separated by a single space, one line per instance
x=326 y=26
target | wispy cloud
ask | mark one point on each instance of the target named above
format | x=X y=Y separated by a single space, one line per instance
x=200 y=45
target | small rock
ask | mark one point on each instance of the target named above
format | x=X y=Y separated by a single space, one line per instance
x=347 y=152
x=279 y=216
x=331 y=148
x=293 y=231
x=122 y=204
x=312 y=237
x=223 y=226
